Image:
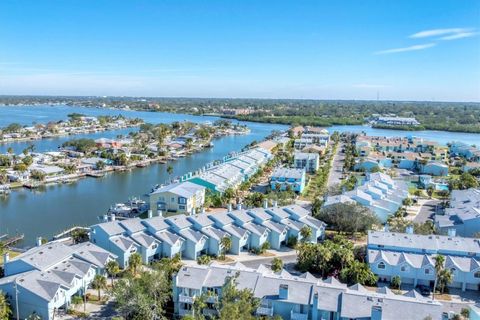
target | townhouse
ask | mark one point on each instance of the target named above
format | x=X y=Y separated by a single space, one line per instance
x=462 y=214
x=302 y=297
x=288 y=179
x=195 y=235
x=181 y=197
x=412 y=257
x=466 y=151
x=379 y=192
x=308 y=161
x=44 y=279
x=232 y=171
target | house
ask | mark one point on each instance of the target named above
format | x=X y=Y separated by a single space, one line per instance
x=462 y=214
x=232 y=171
x=308 y=161
x=201 y=222
x=196 y=242
x=46 y=169
x=435 y=168
x=44 y=279
x=469 y=166
x=172 y=243
x=401 y=121
x=182 y=197
x=288 y=179
x=297 y=297
x=466 y=151
x=379 y=192
x=412 y=257
x=259 y=234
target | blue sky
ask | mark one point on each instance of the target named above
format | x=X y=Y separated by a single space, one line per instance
x=402 y=49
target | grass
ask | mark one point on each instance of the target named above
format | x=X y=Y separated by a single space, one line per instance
x=12 y=254
x=443 y=296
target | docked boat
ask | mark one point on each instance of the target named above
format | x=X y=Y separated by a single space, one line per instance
x=120 y=209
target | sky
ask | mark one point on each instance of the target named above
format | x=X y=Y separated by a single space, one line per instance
x=345 y=49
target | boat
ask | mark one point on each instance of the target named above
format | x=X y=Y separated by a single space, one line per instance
x=137 y=205
x=141 y=164
x=120 y=209
x=96 y=174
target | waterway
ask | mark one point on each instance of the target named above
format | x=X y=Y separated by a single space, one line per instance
x=55 y=208
x=58 y=207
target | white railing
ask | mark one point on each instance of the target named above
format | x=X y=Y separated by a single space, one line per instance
x=265 y=311
x=298 y=316
x=185 y=299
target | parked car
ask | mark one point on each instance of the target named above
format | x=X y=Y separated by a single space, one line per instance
x=424 y=290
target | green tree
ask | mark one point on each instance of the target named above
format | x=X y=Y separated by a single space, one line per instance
x=396 y=282
x=277 y=264
x=204 y=259
x=235 y=303
x=79 y=235
x=358 y=272
x=99 y=282
x=100 y=165
x=112 y=269
x=77 y=300
x=349 y=218
x=134 y=262
x=445 y=277
x=439 y=266
x=225 y=244
x=306 y=233
x=5 y=310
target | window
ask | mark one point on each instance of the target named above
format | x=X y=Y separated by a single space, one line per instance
x=172 y=199
x=381 y=265
x=404 y=268
x=477 y=274
x=427 y=271
x=181 y=207
x=182 y=200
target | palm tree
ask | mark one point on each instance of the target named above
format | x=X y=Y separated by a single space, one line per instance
x=439 y=262
x=306 y=233
x=99 y=283
x=169 y=170
x=134 y=262
x=5 y=311
x=112 y=269
x=445 y=277
x=226 y=244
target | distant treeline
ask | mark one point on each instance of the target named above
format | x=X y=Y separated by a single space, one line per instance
x=448 y=116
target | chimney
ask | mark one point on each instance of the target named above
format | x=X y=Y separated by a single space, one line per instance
x=275 y=203
x=105 y=218
x=192 y=211
x=6 y=258
x=409 y=229
x=160 y=213
x=150 y=213
x=452 y=232
x=376 y=313
x=283 y=291
x=112 y=216
x=239 y=206
x=265 y=204
x=229 y=208
x=39 y=241
x=203 y=209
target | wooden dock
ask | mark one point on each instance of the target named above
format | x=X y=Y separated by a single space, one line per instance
x=12 y=240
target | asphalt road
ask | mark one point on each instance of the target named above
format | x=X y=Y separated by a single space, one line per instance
x=337 y=167
x=427 y=211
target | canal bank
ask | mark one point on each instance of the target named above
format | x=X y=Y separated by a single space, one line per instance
x=52 y=209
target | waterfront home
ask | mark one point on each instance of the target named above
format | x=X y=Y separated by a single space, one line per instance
x=44 y=279
x=400 y=121
x=412 y=257
x=232 y=171
x=434 y=168
x=93 y=162
x=466 y=151
x=308 y=161
x=288 y=179
x=379 y=192
x=46 y=169
x=268 y=145
x=294 y=297
x=462 y=213
x=320 y=139
x=314 y=149
x=181 y=197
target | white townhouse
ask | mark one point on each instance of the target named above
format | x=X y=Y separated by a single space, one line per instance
x=412 y=257
x=44 y=279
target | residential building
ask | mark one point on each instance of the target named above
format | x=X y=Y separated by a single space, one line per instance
x=412 y=257
x=44 y=279
x=462 y=214
x=232 y=171
x=297 y=297
x=308 y=161
x=397 y=121
x=379 y=192
x=434 y=168
x=181 y=197
x=288 y=179
x=466 y=151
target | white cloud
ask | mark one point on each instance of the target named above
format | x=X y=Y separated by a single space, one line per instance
x=405 y=49
x=438 y=32
x=460 y=35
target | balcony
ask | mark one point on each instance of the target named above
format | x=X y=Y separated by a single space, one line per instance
x=183 y=312
x=265 y=311
x=210 y=312
x=185 y=299
x=298 y=316
x=212 y=299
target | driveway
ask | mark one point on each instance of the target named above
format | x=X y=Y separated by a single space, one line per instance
x=427 y=211
x=336 y=172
